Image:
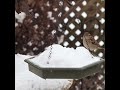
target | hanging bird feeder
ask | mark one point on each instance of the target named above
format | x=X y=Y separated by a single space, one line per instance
x=65 y=73
x=50 y=71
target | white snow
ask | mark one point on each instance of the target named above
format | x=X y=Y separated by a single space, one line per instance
x=48 y=3
x=60 y=39
x=60 y=3
x=55 y=9
x=59 y=15
x=16 y=24
x=35 y=26
x=35 y=48
x=29 y=43
x=60 y=25
x=26 y=80
x=60 y=57
x=99 y=87
x=49 y=14
x=36 y=15
x=100 y=77
x=65 y=57
x=53 y=32
x=20 y=17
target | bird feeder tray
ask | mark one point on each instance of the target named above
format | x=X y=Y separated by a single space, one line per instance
x=65 y=73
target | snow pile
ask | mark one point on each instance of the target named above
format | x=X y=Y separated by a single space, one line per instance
x=20 y=17
x=50 y=16
x=60 y=57
x=64 y=57
x=26 y=80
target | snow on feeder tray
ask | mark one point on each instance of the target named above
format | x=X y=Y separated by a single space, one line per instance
x=64 y=63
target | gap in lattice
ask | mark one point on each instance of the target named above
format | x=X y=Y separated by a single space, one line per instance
x=72 y=14
x=100 y=54
x=96 y=37
x=66 y=32
x=77 y=32
x=65 y=43
x=102 y=9
x=101 y=43
x=77 y=43
x=71 y=38
x=72 y=26
x=73 y=2
x=84 y=3
x=65 y=20
x=84 y=14
x=77 y=21
x=102 y=20
x=78 y=9
x=66 y=8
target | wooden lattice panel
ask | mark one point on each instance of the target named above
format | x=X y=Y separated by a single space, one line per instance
x=72 y=16
x=83 y=15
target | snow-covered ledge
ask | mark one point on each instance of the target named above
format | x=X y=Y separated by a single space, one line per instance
x=65 y=63
x=26 y=80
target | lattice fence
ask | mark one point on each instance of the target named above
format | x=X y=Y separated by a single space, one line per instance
x=69 y=18
x=80 y=16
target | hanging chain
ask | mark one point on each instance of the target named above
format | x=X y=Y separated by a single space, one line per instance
x=50 y=52
x=54 y=32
